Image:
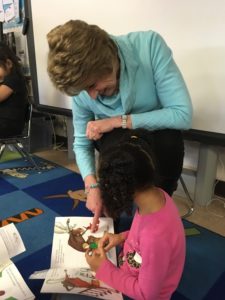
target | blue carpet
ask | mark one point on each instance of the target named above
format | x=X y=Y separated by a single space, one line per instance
x=25 y=199
x=204 y=271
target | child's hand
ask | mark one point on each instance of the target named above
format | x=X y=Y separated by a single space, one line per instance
x=110 y=240
x=95 y=258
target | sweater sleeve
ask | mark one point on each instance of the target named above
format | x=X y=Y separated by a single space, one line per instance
x=83 y=147
x=176 y=108
x=145 y=284
x=125 y=234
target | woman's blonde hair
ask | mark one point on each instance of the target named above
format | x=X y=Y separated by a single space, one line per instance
x=79 y=55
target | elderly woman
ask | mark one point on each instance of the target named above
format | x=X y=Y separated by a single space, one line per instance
x=119 y=83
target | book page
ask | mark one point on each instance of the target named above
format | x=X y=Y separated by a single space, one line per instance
x=78 y=281
x=12 y=285
x=12 y=240
x=70 y=273
x=4 y=256
x=65 y=255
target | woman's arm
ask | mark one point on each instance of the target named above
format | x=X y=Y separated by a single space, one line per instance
x=85 y=158
x=83 y=147
x=87 y=130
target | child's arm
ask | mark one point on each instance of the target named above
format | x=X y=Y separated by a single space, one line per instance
x=110 y=240
x=5 y=92
x=144 y=283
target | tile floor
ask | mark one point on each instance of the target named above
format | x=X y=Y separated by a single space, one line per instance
x=211 y=217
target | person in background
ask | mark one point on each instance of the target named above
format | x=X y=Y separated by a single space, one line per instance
x=153 y=250
x=119 y=82
x=13 y=94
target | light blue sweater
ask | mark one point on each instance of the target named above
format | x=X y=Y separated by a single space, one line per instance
x=151 y=90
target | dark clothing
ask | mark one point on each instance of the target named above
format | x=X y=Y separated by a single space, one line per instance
x=165 y=146
x=13 y=109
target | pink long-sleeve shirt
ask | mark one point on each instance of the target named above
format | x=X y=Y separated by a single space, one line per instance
x=153 y=256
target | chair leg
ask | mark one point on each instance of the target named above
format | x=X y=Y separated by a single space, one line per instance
x=2 y=149
x=15 y=146
x=191 y=207
x=27 y=155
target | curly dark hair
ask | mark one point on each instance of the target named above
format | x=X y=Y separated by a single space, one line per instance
x=124 y=169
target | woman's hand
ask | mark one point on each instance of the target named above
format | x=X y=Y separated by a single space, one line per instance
x=110 y=240
x=94 y=204
x=95 y=258
x=95 y=129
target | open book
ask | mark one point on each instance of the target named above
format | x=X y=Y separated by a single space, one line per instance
x=69 y=272
x=12 y=285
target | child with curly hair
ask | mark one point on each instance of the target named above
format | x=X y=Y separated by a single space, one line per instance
x=153 y=250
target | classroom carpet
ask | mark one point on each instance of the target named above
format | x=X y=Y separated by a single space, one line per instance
x=32 y=201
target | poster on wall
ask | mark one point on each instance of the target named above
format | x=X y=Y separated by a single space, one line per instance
x=10 y=11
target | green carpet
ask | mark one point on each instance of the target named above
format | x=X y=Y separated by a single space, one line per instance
x=9 y=155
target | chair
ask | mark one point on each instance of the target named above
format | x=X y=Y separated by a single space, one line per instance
x=190 y=200
x=17 y=142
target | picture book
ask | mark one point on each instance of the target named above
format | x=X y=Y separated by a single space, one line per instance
x=12 y=284
x=69 y=272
